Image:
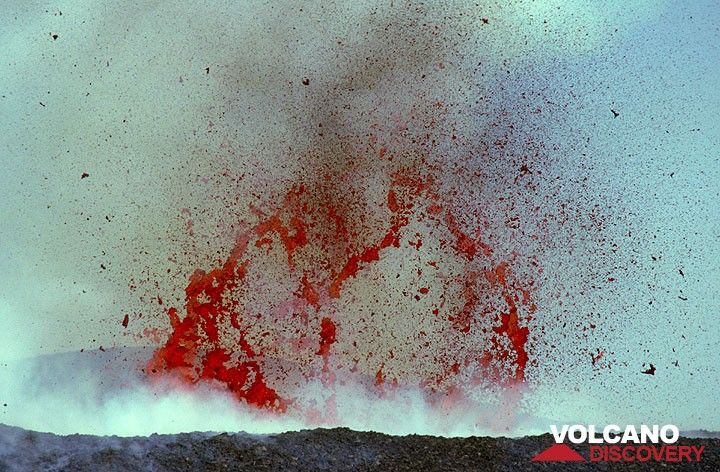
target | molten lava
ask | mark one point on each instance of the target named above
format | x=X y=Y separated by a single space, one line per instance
x=261 y=325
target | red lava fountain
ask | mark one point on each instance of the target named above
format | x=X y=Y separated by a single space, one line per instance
x=395 y=285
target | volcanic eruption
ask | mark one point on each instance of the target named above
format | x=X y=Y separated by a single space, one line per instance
x=399 y=252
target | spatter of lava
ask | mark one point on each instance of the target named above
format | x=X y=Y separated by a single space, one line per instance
x=395 y=284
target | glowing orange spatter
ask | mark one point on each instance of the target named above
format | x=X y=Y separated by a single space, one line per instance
x=196 y=351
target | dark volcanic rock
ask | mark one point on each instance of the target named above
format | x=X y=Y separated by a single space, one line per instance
x=320 y=449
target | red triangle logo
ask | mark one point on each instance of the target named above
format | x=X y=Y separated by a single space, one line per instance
x=558 y=453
